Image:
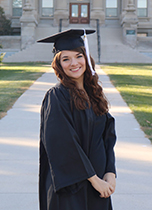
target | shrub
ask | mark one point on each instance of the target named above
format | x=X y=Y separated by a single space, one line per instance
x=1 y=57
x=5 y=24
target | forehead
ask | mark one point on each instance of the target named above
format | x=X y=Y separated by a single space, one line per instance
x=69 y=53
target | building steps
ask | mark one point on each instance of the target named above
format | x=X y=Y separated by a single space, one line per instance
x=114 y=51
x=112 y=23
x=112 y=48
x=35 y=53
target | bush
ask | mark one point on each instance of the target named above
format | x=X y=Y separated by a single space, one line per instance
x=1 y=57
x=5 y=24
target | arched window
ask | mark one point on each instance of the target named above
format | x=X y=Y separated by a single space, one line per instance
x=47 y=8
x=17 y=8
x=111 y=8
x=142 y=8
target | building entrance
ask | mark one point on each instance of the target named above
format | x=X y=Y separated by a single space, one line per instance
x=80 y=13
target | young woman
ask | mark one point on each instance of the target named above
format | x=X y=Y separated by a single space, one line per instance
x=77 y=136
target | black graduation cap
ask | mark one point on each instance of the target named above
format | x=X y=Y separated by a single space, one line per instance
x=67 y=40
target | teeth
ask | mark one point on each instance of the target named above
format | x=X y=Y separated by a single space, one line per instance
x=75 y=69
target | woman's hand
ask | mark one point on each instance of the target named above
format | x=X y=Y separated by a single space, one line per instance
x=103 y=187
x=111 y=179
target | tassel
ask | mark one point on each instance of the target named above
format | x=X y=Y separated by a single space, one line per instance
x=87 y=52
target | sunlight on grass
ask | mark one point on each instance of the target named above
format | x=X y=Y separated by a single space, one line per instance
x=134 y=82
x=15 y=79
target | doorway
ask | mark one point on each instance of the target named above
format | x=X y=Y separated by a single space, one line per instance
x=79 y=13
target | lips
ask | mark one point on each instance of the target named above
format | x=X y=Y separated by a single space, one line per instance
x=75 y=70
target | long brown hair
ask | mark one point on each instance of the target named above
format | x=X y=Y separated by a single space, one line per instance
x=94 y=97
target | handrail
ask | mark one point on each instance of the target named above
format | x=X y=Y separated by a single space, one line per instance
x=98 y=39
x=60 y=23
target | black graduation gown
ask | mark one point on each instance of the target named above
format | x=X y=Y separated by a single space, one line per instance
x=74 y=145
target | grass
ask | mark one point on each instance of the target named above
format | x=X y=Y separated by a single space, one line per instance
x=15 y=79
x=134 y=82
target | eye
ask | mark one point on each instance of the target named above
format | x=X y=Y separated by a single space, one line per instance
x=79 y=56
x=65 y=59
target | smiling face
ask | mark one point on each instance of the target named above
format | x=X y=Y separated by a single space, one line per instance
x=74 y=65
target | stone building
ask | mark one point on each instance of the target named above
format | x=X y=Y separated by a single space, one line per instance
x=133 y=16
x=77 y=11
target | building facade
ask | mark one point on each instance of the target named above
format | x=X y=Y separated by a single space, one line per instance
x=134 y=16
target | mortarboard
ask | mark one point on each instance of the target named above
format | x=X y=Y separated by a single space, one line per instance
x=69 y=40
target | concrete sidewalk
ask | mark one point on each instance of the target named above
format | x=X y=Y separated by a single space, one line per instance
x=133 y=155
x=19 y=137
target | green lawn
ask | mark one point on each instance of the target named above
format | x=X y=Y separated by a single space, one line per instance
x=15 y=79
x=134 y=82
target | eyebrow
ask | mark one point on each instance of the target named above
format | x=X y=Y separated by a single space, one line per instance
x=66 y=56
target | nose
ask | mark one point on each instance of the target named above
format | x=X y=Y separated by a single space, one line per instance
x=74 y=62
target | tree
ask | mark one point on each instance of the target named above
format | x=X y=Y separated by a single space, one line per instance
x=5 y=24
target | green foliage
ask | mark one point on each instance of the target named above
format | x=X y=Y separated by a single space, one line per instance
x=5 y=24
x=1 y=46
x=1 y=57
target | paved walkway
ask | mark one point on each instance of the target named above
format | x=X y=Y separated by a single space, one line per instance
x=19 y=136
x=133 y=155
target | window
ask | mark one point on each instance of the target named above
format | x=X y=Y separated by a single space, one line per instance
x=17 y=8
x=75 y=11
x=142 y=8
x=111 y=8
x=84 y=11
x=142 y=34
x=47 y=8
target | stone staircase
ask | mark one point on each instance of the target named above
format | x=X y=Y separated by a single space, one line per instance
x=35 y=53
x=112 y=48
x=114 y=51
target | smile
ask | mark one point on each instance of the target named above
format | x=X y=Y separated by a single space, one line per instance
x=75 y=70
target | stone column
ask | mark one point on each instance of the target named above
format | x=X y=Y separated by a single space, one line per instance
x=129 y=24
x=124 y=6
x=97 y=12
x=35 y=4
x=28 y=25
x=61 y=12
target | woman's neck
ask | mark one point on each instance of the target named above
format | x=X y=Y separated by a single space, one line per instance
x=80 y=86
x=80 y=83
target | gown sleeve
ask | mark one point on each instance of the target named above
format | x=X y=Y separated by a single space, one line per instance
x=67 y=161
x=109 y=141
